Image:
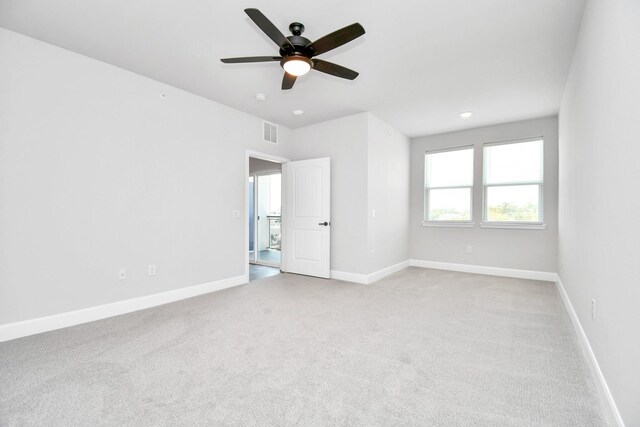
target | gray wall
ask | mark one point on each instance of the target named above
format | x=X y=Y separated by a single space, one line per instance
x=520 y=249
x=345 y=141
x=388 y=195
x=97 y=172
x=599 y=236
x=369 y=171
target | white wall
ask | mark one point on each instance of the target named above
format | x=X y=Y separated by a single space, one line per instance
x=388 y=195
x=369 y=170
x=97 y=172
x=345 y=141
x=599 y=236
x=516 y=249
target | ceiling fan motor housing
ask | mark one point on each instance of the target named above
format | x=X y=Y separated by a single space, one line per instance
x=299 y=43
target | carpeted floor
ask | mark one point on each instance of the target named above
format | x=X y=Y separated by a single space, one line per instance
x=421 y=347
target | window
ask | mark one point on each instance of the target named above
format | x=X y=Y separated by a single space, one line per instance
x=513 y=179
x=448 y=185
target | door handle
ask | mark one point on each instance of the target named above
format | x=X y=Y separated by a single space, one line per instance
x=323 y=223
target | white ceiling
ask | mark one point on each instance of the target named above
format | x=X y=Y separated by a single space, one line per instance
x=421 y=62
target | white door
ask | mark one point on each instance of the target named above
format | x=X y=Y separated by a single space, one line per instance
x=307 y=222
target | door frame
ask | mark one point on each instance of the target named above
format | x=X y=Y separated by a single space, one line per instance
x=270 y=158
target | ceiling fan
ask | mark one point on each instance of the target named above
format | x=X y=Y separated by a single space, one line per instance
x=297 y=52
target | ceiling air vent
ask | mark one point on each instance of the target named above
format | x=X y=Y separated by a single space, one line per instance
x=270 y=132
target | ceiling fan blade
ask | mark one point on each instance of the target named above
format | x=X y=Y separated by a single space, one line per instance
x=250 y=59
x=268 y=28
x=334 y=69
x=287 y=81
x=337 y=38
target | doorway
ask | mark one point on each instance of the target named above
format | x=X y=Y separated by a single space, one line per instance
x=264 y=217
x=296 y=234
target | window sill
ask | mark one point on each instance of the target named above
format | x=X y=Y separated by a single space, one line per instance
x=448 y=224
x=514 y=225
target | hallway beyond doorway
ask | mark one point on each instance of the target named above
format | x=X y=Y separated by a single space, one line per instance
x=265 y=207
x=261 y=271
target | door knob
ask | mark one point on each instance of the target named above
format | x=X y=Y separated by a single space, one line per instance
x=323 y=223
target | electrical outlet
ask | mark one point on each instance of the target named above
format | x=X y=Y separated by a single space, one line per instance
x=122 y=274
x=235 y=214
x=373 y=213
x=152 y=269
x=593 y=309
x=468 y=249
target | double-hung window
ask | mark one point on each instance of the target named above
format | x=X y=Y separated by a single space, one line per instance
x=513 y=182
x=448 y=186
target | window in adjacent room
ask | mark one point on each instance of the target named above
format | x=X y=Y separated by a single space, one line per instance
x=448 y=186
x=513 y=181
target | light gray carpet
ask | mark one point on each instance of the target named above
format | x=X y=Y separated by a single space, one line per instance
x=421 y=347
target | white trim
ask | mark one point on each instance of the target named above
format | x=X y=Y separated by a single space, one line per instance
x=377 y=275
x=601 y=384
x=25 y=328
x=349 y=277
x=514 y=225
x=444 y=150
x=491 y=271
x=514 y=141
x=265 y=156
x=367 y=279
x=462 y=224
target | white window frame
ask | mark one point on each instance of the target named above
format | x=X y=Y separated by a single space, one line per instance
x=448 y=223
x=533 y=225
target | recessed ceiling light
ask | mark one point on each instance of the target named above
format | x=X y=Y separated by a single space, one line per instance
x=297 y=112
x=261 y=97
x=466 y=114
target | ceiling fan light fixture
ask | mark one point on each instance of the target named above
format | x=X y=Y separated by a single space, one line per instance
x=295 y=51
x=296 y=65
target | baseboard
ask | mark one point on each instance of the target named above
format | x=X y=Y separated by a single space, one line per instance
x=374 y=277
x=367 y=279
x=25 y=328
x=601 y=384
x=349 y=277
x=491 y=271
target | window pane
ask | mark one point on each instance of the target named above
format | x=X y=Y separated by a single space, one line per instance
x=450 y=204
x=449 y=168
x=517 y=162
x=513 y=203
